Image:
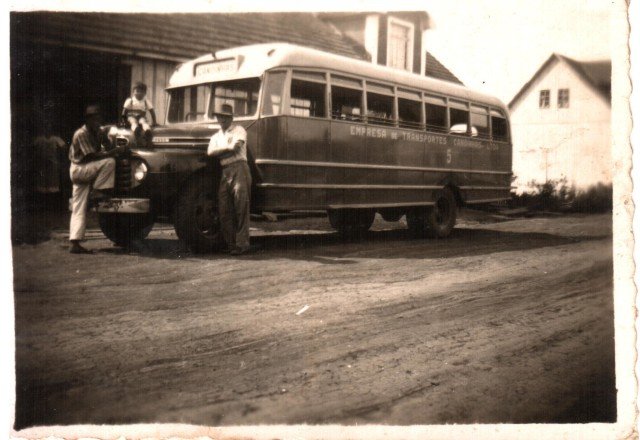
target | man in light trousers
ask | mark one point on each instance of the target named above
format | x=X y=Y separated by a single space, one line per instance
x=91 y=168
x=229 y=145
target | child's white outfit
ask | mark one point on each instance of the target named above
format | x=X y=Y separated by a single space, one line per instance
x=136 y=112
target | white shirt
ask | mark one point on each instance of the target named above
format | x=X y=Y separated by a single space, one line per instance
x=225 y=141
x=132 y=104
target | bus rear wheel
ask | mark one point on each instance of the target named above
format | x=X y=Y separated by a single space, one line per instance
x=351 y=222
x=197 y=222
x=123 y=229
x=435 y=221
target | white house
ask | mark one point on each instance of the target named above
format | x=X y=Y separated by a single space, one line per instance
x=561 y=124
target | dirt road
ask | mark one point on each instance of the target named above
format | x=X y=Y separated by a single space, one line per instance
x=502 y=322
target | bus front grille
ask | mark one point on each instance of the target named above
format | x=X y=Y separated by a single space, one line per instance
x=123 y=175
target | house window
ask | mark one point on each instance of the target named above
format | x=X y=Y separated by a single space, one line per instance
x=400 y=44
x=545 y=98
x=563 y=98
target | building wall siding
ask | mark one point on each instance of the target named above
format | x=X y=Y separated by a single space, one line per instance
x=155 y=74
x=569 y=143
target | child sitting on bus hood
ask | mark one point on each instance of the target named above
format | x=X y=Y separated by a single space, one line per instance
x=135 y=111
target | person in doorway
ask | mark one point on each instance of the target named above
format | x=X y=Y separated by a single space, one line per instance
x=92 y=168
x=135 y=111
x=229 y=145
x=46 y=148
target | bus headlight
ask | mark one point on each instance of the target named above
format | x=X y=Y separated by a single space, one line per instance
x=140 y=171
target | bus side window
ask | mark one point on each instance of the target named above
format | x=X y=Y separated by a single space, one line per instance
x=409 y=113
x=379 y=109
x=480 y=121
x=273 y=91
x=500 y=131
x=458 y=117
x=307 y=98
x=436 y=114
x=346 y=103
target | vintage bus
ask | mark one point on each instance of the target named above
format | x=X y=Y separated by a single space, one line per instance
x=325 y=132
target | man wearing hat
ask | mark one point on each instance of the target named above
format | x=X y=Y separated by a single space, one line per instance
x=229 y=145
x=91 y=168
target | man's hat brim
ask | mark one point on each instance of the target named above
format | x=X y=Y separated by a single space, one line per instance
x=92 y=110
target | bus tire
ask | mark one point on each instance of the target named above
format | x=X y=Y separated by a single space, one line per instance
x=441 y=218
x=391 y=214
x=351 y=222
x=434 y=221
x=197 y=222
x=123 y=229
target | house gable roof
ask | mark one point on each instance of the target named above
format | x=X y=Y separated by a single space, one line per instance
x=436 y=69
x=181 y=37
x=178 y=37
x=595 y=73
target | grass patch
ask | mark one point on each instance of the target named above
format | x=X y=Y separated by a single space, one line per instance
x=557 y=196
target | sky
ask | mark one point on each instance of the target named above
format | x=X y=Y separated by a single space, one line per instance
x=496 y=46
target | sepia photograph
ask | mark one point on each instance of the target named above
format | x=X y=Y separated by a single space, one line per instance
x=369 y=217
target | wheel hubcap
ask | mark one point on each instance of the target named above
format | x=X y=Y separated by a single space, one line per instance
x=206 y=217
x=442 y=211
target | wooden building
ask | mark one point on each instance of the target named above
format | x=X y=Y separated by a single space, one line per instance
x=62 y=61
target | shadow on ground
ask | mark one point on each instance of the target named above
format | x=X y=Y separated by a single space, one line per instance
x=332 y=248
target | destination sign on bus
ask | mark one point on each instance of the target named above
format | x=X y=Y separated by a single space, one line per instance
x=384 y=133
x=229 y=65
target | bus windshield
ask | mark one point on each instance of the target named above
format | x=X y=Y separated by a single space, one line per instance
x=199 y=103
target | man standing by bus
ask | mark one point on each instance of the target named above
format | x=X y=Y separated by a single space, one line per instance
x=91 y=168
x=229 y=145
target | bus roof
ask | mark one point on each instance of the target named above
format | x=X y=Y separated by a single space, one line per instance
x=254 y=60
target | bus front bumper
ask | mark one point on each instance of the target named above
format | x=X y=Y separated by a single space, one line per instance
x=123 y=206
x=117 y=205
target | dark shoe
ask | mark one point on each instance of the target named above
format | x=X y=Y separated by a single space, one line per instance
x=77 y=249
x=240 y=251
x=148 y=137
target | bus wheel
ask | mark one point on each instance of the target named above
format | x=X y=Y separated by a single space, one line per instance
x=122 y=229
x=441 y=218
x=351 y=222
x=391 y=214
x=434 y=221
x=196 y=221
